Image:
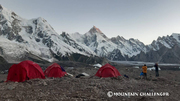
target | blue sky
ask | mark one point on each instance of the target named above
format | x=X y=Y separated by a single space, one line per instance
x=140 y=19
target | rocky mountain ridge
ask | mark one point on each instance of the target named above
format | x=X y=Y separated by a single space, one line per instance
x=22 y=39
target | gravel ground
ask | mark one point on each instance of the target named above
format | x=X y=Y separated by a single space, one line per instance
x=93 y=88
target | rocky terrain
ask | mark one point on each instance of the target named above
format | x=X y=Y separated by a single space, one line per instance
x=93 y=88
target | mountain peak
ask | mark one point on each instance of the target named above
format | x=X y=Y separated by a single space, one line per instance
x=94 y=29
x=40 y=18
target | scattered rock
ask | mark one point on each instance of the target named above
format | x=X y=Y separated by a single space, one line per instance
x=44 y=83
x=10 y=87
x=175 y=85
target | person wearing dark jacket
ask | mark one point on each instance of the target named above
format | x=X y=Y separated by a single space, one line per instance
x=156 y=69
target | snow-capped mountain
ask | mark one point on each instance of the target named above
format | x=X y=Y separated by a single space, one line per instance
x=103 y=46
x=129 y=47
x=167 y=41
x=98 y=42
x=164 y=49
x=21 y=36
x=22 y=39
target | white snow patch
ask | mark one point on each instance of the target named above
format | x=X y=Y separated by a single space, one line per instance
x=136 y=67
x=70 y=74
x=97 y=65
x=176 y=36
x=152 y=68
x=165 y=44
x=85 y=74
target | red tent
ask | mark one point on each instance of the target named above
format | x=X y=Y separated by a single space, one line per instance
x=54 y=71
x=107 y=71
x=24 y=71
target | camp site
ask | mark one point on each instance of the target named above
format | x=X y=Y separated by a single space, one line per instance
x=72 y=81
x=89 y=50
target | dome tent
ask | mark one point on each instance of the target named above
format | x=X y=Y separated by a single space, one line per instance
x=107 y=71
x=55 y=70
x=25 y=70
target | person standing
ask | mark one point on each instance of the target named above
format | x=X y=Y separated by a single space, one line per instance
x=156 y=69
x=144 y=71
